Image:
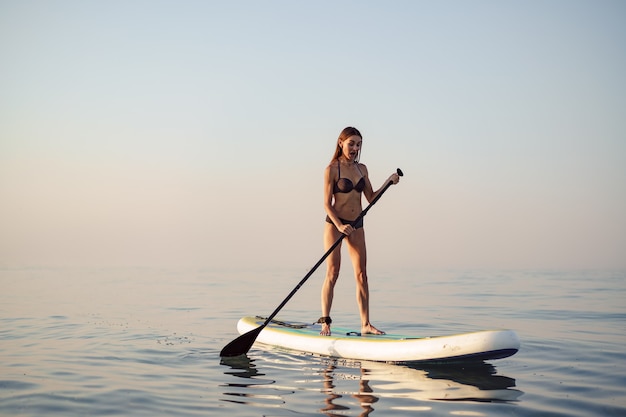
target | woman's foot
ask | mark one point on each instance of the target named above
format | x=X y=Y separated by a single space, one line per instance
x=325 y=330
x=369 y=329
x=326 y=322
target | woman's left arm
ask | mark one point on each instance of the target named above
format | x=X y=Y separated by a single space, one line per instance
x=369 y=192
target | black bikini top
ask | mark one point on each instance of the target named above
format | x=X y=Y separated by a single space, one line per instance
x=345 y=185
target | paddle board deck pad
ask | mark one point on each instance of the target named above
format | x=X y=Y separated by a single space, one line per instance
x=348 y=344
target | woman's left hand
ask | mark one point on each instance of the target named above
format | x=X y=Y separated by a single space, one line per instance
x=394 y=178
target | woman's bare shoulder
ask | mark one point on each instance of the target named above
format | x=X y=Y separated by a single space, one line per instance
x=331 y=167
x=330 y=172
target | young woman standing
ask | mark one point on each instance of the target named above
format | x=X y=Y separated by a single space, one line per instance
x=345 y=181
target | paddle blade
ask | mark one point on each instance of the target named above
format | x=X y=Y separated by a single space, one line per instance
x=242 y=344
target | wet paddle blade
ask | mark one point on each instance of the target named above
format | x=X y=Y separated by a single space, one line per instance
x=242 y=344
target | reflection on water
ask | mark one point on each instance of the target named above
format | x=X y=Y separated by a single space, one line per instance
x=241 y=366
x=455 y=382
x=364 y=396
x=244 y=367
x=357 y=386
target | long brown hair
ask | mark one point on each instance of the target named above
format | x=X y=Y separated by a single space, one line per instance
x=345 y=134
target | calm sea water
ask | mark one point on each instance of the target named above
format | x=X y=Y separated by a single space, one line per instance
x=133 y=342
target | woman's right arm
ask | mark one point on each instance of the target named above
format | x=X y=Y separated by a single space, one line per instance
x=329 y=181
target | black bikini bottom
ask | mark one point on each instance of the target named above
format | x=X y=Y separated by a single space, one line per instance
x=356 y=226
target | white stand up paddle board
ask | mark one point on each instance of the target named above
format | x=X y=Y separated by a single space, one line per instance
x=346 y=343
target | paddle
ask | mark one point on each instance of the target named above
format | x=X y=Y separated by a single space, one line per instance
x=243 y=343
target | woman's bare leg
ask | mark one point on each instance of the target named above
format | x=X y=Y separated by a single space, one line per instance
x=358 y=254
x=333 y=263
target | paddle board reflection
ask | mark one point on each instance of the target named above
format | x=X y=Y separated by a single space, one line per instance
x=378 y=381
x=361 y=385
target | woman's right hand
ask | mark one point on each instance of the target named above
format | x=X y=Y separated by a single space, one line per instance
x=346 y=229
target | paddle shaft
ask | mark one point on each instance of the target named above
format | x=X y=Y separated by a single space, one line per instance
x=243 y=343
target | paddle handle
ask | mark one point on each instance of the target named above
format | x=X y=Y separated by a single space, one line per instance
x=329 y=251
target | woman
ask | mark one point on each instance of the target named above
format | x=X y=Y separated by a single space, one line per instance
x=345 y=179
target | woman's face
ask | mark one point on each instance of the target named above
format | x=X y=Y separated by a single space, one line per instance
x=350 y=147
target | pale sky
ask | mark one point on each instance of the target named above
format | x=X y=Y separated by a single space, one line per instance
x=195 y=133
